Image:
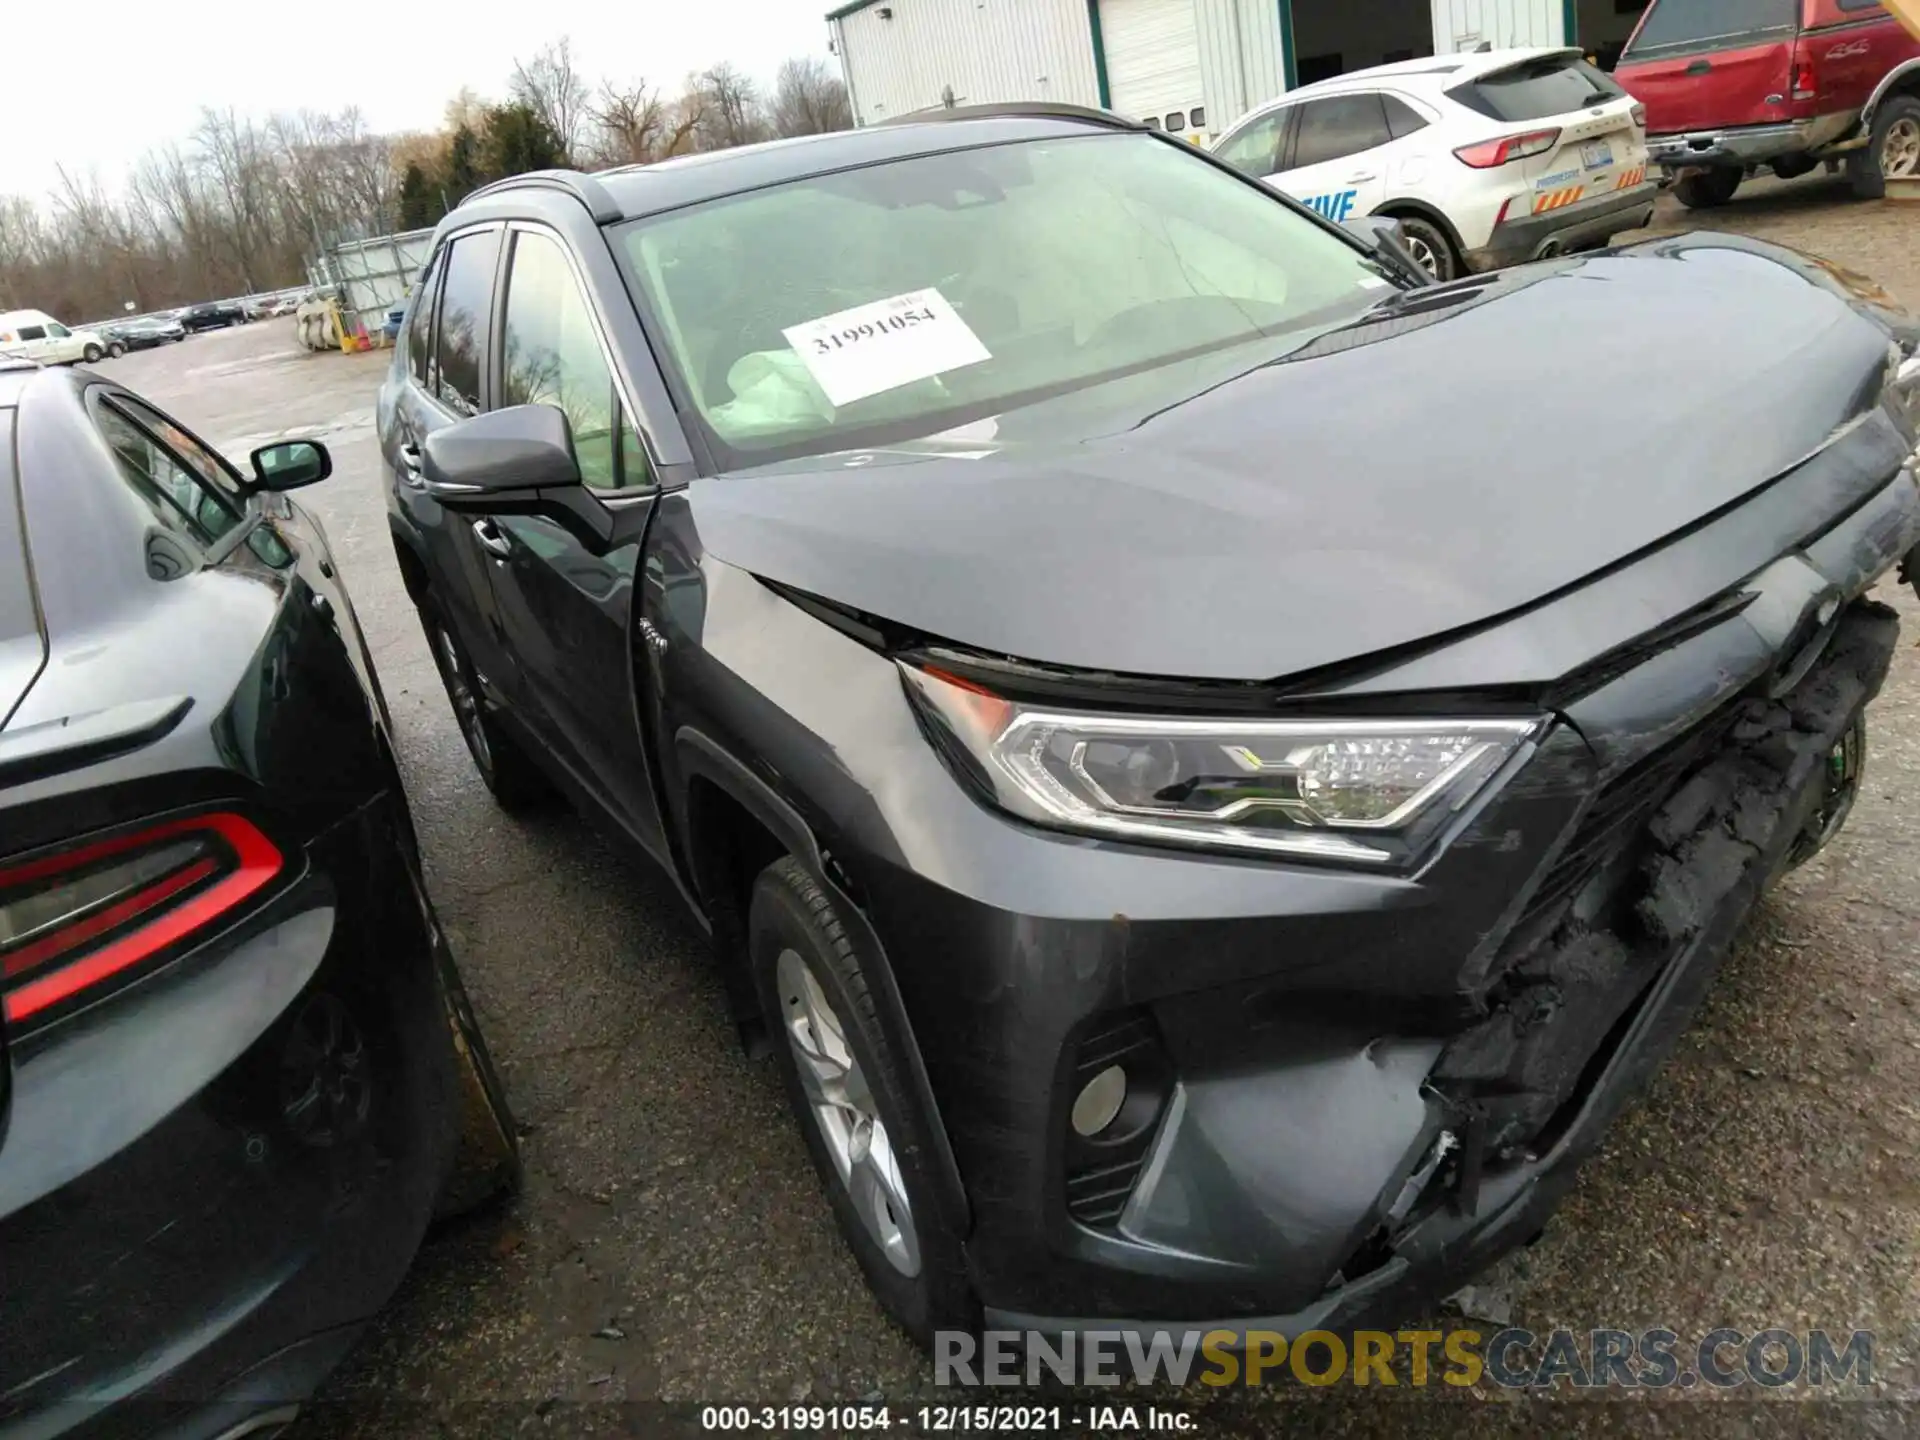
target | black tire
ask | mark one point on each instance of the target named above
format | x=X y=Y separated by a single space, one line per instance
x=1708 y=189
x=1889 y=153
x=1426 y=239
x=509 y=773
x=115 y=350
x=791 y=913
x=92 y=354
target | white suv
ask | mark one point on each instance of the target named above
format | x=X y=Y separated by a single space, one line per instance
x=1486 y=159
x=36 y=335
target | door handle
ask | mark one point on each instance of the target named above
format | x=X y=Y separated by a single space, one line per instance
x=1362 y=178
x=1700 y=67
x=488 y=534
x=410 y=462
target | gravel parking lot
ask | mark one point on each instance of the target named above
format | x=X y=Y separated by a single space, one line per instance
x=672 y=1242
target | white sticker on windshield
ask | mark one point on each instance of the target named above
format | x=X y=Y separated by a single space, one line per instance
x=878 y=347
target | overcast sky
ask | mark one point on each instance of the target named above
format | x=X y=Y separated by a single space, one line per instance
x=113 y=78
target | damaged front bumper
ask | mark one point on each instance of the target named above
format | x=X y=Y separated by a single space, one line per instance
x=1355 y=1182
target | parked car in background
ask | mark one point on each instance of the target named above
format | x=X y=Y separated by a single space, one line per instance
x=147 y=331
x=238 y=1069
x=212 y=315
x=1201 y=861
x=1485 y=159
x=37 y=336
x=1735 y=86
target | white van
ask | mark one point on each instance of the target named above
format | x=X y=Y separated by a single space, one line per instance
x=36 y=335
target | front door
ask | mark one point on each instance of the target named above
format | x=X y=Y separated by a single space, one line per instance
x=565 y=591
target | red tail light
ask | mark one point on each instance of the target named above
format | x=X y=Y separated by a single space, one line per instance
x=76 y=919
x=1806 y=83
x=1489 y=154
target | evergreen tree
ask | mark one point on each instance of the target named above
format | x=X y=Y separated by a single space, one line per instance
x=463 y=175
x=517 y=140
x=419 y=206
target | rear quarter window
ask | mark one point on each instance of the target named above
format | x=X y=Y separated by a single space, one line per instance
x=1538 y=90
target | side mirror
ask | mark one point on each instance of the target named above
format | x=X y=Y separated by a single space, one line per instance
x=522 y=448
x=1387 y=239
x=290 y=464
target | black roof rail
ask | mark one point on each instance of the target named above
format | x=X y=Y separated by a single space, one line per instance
x=1034 y=109
x=584 y=188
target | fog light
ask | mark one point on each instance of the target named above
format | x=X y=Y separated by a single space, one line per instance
x=1099 y=1101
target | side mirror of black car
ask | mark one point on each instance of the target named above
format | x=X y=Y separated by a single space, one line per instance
x=519 y=450
x=1387 y=239
x=290 y=464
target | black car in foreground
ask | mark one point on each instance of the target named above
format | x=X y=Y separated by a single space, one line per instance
x=238 y=1072
x=212 y=315
x=1221 y=764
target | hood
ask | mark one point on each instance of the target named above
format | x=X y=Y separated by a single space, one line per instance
x=1380 y=488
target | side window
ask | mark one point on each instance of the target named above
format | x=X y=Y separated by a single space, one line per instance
x=1256 y=149
x=1402 y=119
x=1339 y=126
x=1851 y=6
x=426 y=304
x=466 y=297
x=552 y=356
x=173 y=479
x=33 y=332
x=58 y=331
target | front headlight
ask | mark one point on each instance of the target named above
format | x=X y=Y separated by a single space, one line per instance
x=1372 y=792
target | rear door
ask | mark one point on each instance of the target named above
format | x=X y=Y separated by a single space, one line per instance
x=1595 y=147
x=1712 y=64
x=1339 y=155
x=446 y=382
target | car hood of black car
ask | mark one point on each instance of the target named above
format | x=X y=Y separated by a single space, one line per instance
x=1383 y=487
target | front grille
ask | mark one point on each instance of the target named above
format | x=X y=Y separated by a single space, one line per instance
x=1617 y=813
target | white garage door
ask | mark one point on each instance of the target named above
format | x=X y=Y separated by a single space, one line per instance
x=1153 y=58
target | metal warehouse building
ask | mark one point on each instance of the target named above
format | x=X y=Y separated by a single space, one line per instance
x=1187 y=65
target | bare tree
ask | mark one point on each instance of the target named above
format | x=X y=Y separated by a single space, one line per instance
x=551 y=86
x=732 y=113
x=630 y=122
x=809 y=99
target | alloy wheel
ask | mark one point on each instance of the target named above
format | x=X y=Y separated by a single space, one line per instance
x=1900 y=151
x=1423 y=252
x=326 y=1075
x=466 y=704
x=848 y=1118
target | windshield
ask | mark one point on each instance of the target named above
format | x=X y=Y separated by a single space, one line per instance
x=1700 y=24
x=901 y=300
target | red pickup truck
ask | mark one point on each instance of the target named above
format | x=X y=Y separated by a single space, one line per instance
x=1734 y=86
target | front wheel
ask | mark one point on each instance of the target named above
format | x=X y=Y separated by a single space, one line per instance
x=115 y=350
x=862 y=1127
x=1431 y=246
x=1708 y=189
x=92 y=354
x=1892 y=152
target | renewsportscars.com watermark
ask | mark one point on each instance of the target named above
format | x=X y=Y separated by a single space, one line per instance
x=1510 y=1359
